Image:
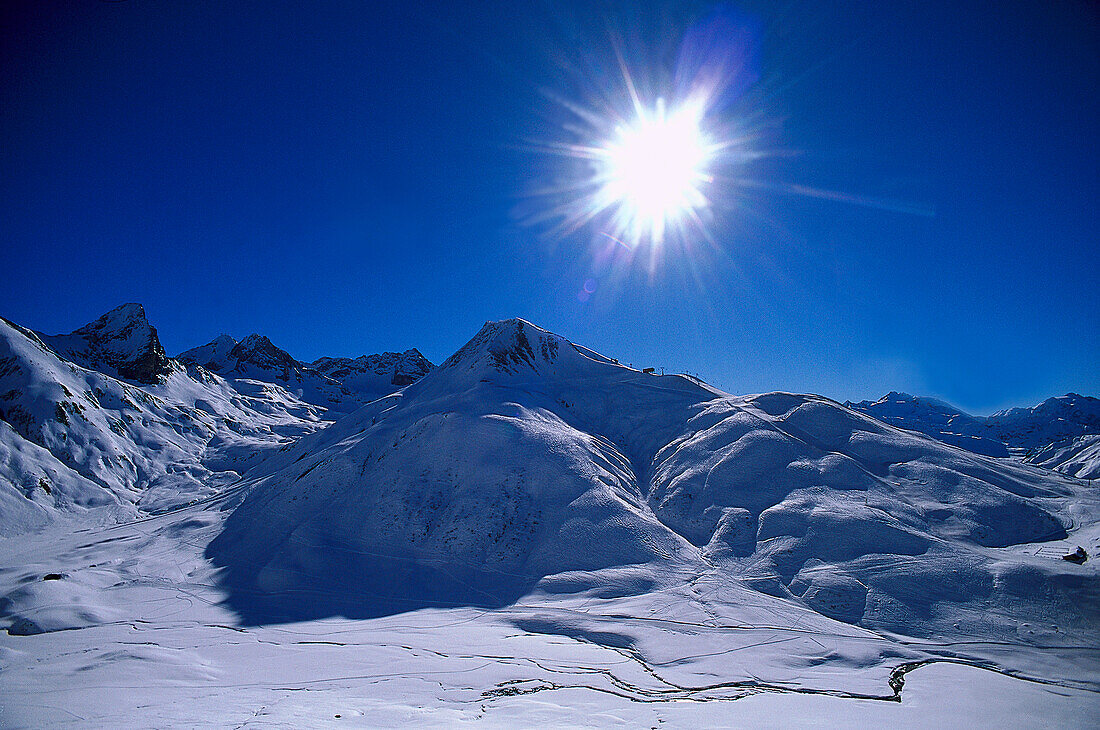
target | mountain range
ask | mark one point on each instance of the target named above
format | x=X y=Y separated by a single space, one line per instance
x=103 y=415
x=554 y=490
x=1046 y=434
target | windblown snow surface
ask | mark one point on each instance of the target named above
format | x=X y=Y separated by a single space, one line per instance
x=1078 y=456
x=531 y=535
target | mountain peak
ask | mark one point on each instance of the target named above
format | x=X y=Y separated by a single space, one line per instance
x=224 y=353
x=254 y=341
x=223 y=339
x=214 y=355
x=123 y=317
x=508 y=346
x=258 y=350
x=121 y=341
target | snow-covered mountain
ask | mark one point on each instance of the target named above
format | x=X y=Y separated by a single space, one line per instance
x=102 y=418
x=378 y=374
x=255 y=358
x=336 y=384
x=524 y=458
x=119 y=442
x=934 y=418
x=530 y=533
x=1055 y=419
x=1079 y=457
x=1016 y=430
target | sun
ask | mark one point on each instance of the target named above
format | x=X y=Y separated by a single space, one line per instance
x=652 y=172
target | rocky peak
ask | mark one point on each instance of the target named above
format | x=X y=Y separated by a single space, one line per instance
x=508 y=346
x=259 y=351
x=368 y=371
x=121 y=342
x=214 y=355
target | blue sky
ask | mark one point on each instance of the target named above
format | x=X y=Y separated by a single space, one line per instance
x=355 y=177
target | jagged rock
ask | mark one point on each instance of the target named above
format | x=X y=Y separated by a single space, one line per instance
x=121 y=343
x=338 y=383
x=374 y=372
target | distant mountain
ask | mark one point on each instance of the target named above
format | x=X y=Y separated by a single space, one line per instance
x=215 y=356
x=102 y=420
x=528 y=463
x=1055 y=419
x=934 y=418
x=257 y=358
x=121 y=343
x=1016 y=430
x=375 y=373
x=337 y=384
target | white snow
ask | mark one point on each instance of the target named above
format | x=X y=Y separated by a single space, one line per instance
x=530 y=534
x=377 y=374
x=339 y=385
x=1079 y=457
x=1016 y=430
x=111 y=441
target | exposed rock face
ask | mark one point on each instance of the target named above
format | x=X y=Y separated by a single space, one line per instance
x=395 y=368
x=259 y=351
x=121 y=343
x=340 y=384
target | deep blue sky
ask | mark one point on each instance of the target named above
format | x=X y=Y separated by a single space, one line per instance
x=350 y=177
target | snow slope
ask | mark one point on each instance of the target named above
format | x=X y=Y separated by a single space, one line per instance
x=153 y=446
x=524 y=458
x=1078 y=456
x=530 y=534
x=152 y=644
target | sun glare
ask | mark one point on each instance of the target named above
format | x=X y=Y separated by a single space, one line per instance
x=653 y=171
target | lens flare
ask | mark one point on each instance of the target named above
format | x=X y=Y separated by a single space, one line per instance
x=653 y=170
x=642 y=141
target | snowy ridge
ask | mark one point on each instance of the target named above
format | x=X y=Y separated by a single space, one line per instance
x=256 y=358
x=214 y=355
x=523 y=457
x=1055 y=419
x=1079 y=457
x=529 y=533
x=102 y=420
x=114 y=442
x=1016 y=430
x=379 y=374
x=339 y=385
